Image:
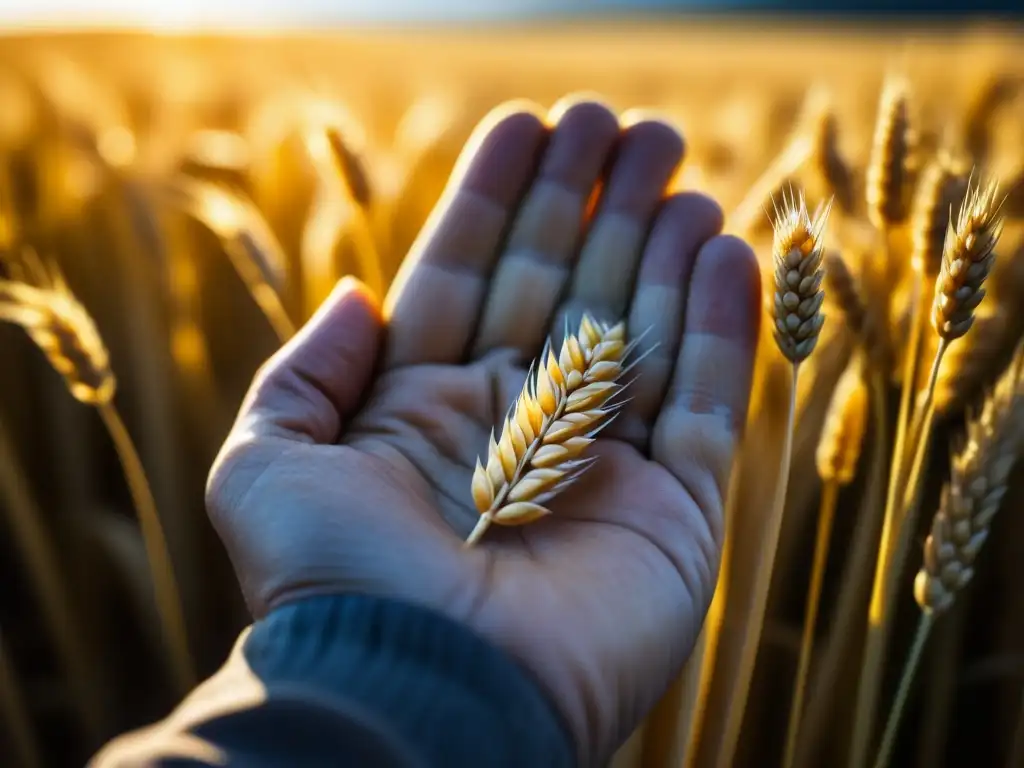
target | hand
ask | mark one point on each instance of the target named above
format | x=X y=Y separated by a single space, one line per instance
x=349 y=466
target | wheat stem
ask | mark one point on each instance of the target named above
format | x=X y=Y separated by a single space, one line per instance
x=826 y=515
x=911 y=494
x=479 y=529
x=907 y=390
x=766 y=563
x=924 y=627
x=896 y=535
x=164 y=584
x=843 y=641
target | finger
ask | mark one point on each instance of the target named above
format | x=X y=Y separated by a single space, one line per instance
x=706 y=405
x=686 y=221
x=433 y=307
x=531 y=274
x=306 y=390
x=649 y=153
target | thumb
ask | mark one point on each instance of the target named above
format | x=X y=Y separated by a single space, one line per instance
x=307 y=389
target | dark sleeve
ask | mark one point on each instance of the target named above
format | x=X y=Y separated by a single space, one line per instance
x=352 y=680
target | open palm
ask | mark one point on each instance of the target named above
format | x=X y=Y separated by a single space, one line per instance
x=350 y=463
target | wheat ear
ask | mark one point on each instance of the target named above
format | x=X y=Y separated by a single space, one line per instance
x=563 y=405
x=356 y=180
x=797 y=253
x=979 y=478
x=838 y=454
x=967 y=259
x=939 y=197
x=63 y=329
x=893 y=157
x=968 y=255
x=830 y=164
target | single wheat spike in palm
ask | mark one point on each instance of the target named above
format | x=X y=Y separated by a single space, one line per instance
x=565 y=402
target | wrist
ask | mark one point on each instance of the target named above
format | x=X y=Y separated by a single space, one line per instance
x=446 y=692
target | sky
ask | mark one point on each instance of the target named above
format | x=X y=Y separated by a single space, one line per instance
x=276 y=13
x=280 y=14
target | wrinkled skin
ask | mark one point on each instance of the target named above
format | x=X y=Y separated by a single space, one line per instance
x=349 y=466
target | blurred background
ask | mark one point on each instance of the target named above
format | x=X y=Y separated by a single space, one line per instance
x=181 y=183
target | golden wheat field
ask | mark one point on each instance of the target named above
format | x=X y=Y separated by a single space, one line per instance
x=172 y=208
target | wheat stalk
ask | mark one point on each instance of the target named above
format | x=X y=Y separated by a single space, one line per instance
x=64 y=331
x=563 y=405
x=838 y=454
x=979 y=478
x=968 y=255
x=797 y=254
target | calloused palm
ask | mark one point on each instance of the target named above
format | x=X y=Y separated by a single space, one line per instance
x=350 y=463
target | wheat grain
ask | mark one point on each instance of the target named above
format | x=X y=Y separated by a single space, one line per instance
x=845 y=424
x=893 y=157
x=967 y=259
x=797 y=252
x=66 y=334
x=939 y=198
x=562 y=406
x=978 y=481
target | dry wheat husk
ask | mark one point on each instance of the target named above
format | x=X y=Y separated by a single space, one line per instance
x=563 y=405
